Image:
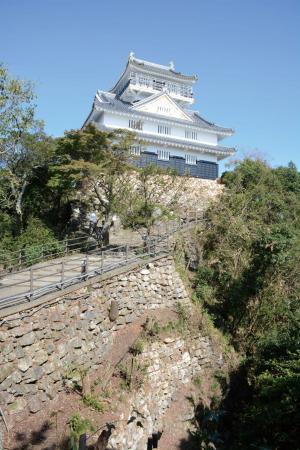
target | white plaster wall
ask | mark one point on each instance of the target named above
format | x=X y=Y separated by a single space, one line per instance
x=115 y=121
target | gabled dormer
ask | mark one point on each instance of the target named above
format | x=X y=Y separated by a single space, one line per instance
x=143 y=78
x=163 y=105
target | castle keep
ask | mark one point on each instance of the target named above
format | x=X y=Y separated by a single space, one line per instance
x=155 y=102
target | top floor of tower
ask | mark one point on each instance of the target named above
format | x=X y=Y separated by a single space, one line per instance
x=141 y=79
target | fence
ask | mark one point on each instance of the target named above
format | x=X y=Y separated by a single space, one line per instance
x=27 y=284
x=27 y=256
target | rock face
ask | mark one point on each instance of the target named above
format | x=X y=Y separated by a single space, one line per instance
x=171 y=364
x=40 y=345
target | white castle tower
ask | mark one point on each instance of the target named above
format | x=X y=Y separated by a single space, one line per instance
x=155 y=102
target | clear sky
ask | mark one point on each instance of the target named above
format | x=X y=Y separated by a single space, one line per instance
x=246 y=54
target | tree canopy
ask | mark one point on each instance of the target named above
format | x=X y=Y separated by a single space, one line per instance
x=249 y=282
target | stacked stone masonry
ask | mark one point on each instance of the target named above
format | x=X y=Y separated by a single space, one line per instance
x=172 y=364
x=39 y=345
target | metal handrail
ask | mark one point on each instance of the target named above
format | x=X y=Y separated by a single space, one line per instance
x=31 y=293
x=123 y=255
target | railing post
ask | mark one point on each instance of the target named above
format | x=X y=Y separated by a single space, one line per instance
x=101 y=262
x=84 y=265
x=126 y=253
x=87 y=263
x=20 y=258
x=62 y=275
x=31 y=281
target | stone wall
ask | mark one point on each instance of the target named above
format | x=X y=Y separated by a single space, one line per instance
x=173 y=363
x=38 y=346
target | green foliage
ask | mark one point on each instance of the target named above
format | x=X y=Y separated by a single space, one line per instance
x=249 y=282
x=93 y=402
x=144 y=206
x=137 y=347
x=91 y=167
x=132 y=373
x=251 y=253
x=78 y=426
x=16 y=108
x=37 y=241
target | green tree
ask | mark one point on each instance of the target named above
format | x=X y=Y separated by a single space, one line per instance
x=16 y=110
x=152 y=199
x=249 y=281
x=93 y=166
x=24 y=146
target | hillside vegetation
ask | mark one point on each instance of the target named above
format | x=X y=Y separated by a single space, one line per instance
x=249 y=283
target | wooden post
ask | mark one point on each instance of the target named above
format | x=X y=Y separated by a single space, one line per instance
x=20 y=258
x=82 y=442
x=31 y=281
x=126 y=253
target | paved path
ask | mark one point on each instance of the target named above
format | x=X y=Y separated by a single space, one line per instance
x=57 y=271
x=56 y=274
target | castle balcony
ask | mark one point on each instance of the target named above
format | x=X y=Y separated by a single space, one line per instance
x=142 y=84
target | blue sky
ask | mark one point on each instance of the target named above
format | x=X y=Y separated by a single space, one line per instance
x=246 y=54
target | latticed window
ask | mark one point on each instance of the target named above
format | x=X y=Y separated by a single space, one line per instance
x=189 y=134
x=163 y=155
x=135 y=124
x=162 y=129
x=144 y=81
x=135 y=150
x=191 y=159
x=173 y=87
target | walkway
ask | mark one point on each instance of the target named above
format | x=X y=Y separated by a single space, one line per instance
x=42 y=278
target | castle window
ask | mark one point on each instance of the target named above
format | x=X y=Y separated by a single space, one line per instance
x=158 y=85
x=191 y=159
x=135 y=150
x=144 y=81
x=135 y=124
x=173 y=88
x=163 y=155
x=191 y=134
x=162 y=129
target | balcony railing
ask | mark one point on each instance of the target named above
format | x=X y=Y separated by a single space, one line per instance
x=156 y=85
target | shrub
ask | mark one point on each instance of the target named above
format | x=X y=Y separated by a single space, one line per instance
x=78 y=426
x=93 y=402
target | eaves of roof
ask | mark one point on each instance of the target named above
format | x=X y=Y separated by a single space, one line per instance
x=161 y=71
x=181 y=143
x=121 y=108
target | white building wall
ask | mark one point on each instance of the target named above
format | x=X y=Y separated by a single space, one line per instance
x=151 y=127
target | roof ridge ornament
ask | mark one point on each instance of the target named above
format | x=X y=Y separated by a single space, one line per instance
x=131 y=56
x=172 y=65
